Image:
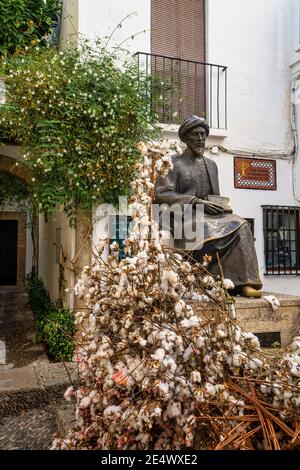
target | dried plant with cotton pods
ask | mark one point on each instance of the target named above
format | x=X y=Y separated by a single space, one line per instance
x=153 y=373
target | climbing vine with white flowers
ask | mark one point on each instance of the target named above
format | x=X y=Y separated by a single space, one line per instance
x=78 y=115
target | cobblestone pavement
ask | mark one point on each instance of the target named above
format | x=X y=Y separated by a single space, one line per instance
x=19 y=347
x=30 y=430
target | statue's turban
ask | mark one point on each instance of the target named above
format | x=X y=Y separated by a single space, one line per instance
x=191 y=122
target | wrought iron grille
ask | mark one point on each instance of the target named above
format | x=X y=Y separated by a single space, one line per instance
x=180 y=87
x=282 y=239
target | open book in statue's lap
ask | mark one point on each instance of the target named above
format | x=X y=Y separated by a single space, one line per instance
x=194 y=180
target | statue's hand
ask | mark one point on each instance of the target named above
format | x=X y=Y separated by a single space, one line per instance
x=210 y=207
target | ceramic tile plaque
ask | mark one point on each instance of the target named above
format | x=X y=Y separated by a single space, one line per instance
x=255 y=173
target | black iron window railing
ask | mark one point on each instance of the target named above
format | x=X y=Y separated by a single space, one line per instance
x=180 y=87
x=282 y=239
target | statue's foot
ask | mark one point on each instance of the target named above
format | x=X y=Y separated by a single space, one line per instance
x=248 y=291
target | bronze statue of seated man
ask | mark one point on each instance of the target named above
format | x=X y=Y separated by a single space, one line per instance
x=191 y=181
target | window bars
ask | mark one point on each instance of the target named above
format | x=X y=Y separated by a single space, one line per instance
x=180 y=87
x=282 y=239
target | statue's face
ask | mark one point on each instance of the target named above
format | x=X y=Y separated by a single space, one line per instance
x=195 y=140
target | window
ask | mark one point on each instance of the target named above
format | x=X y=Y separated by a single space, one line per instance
x=119 y=229
x=282 y=239
x=178 y=31
x=251 y=223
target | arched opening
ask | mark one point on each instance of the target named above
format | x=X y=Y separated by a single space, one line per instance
x=17 y=222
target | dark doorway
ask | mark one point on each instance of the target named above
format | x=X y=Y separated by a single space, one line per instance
x=8 y=252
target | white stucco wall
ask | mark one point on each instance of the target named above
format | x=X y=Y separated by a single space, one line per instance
x=247 y=203
x=255 y=40
x=98 y=18
x=48 y=269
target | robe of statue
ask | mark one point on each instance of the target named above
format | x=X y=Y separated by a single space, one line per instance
x=226 y=234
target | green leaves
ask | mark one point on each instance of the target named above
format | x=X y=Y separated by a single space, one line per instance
x=26 y=23
x=12 y=189
x=55 y=325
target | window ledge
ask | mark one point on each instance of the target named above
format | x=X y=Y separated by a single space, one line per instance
x=295 y=273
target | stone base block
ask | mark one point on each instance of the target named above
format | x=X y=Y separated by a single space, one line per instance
x=256 y=315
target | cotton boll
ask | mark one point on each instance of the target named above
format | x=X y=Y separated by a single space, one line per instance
x=273 y=301
x=199 y=297
x=200 y=342
x=158 y=355
x=228 y=284
x=295 y=370
x=85 y=402
x=255 y=363
x=254 y=342
x=264 y=389
x=169 y=278
x=69 y=393
x=194 y=321
x=209 y=389
x=161 y=258
x=163 y=387
x=170 y=364
x=185 y=323
x=237 y=360
x=221 y=333
x=173 y=409
x=142 y=342
x=111 y=410
x=195 y=377
x=209 y=281
x=237 y=334
x=187 y=353
x=166 y=345
x=296 y=400
x=156 y=412
x=179 y=308
x=295 y=346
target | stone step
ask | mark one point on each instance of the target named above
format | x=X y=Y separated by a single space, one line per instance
x=30 y=387
x=65 y=419
x=257 y=316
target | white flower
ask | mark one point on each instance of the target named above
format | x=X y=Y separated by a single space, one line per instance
x=85 y=402
x=273 y=301
x=196 y=376
x=190 y=322
x=164 y=388
x=156 y=412
x=111 y=410
x=209 y=280
x=69 y=393
x=228 y=284
x=158 y=355
x=173 y=409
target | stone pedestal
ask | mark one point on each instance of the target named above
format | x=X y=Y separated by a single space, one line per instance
x=256 y=315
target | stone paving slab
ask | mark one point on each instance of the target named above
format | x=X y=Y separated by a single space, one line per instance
x=31 y=429
x=65 y=419
x=17 y=330
x=18 y=379
x=55 y=374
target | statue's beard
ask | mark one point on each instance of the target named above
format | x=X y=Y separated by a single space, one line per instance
x=197 y=149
